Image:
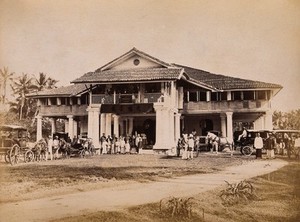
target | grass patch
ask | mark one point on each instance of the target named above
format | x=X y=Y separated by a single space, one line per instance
x=278 y=199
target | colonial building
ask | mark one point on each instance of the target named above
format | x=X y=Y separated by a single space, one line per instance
x=137 y=93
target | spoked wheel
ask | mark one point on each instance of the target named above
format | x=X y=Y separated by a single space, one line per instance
x=247 y=150
x=29 y=156
x=14 y=154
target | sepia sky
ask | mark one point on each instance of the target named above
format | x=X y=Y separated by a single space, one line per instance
x=252 y=39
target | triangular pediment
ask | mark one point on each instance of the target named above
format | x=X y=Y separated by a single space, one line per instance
x=134 y=59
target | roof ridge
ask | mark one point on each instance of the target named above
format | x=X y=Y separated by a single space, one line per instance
x=227 y=76
x=139 y=52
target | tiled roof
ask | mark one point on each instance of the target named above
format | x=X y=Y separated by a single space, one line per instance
x=222 y=82
x=71 y=90
x=130 y=75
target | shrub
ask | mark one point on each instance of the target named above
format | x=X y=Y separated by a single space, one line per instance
x=178 y=207
x=237 y=192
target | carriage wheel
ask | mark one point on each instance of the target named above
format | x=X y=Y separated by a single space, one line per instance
x=247 y=150
x=14 y=154
x=29 y=156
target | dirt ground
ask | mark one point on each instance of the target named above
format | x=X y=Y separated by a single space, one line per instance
x=41 y=179
x=64 y=185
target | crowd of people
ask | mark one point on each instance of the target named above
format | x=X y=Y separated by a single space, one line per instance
x=280 y=146
x=186 y=145
x=121 y=145
x=108 y=145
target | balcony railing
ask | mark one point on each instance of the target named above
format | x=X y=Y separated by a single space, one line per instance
x=124 y=98
x=226 y=105
x=63 y=110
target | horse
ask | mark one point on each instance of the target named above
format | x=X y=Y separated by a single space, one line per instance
x=219 y=142
x=38 y=148
x=65 y=149
x=43 y=148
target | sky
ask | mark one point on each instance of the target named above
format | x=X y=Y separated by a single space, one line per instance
x=251 y=39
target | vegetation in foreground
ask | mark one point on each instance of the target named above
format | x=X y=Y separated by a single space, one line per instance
x=277 y=199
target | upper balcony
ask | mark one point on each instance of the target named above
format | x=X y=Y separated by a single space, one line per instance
x=217 y=106
x=125 y=98
x=63 y=110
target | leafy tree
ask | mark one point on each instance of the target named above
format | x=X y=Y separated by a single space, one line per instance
x=5 y=77
x=51 y=83
x=21 y=87
x=44 y=82
x=286 y=120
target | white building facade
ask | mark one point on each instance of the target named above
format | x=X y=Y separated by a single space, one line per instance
x=140 y=94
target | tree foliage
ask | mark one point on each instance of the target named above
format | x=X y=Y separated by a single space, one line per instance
x=5 y=77
x=286 y=120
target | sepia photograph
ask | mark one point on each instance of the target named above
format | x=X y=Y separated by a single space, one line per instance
x=149 y=110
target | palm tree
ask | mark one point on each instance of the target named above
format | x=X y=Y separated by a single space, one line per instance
x=41 y=81
x=5 y=76
x=22 y=86
x=51 y=83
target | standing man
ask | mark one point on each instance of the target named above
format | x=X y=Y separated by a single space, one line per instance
x=258 y=145
x=297 y=146
x=270 y=146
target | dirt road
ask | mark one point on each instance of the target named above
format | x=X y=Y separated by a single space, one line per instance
x=115 y=198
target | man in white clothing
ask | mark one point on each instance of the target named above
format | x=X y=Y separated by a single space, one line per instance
x=258 y=145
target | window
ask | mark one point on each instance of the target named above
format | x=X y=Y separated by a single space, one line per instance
x=237 y=95
x=193 y=96
x=202 y=96
x=249 y=95
x=214 y=96
x=53 y=101
x=62 y=100
x=223 y=96
x=153 y=88
x=136 y=62
x=261 y=95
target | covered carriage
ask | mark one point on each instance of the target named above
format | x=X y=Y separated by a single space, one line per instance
x=13 y=144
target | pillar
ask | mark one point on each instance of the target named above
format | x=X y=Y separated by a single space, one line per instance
x=164 y=135
x=177 y=126
x=130 y=125
x=171 y=127
x=268 y=121
x=122 y=131
x=108 y=124
x=229 y=125
x=39 y=134
x=93 y=123
x=66 y=126
x=208 y=96
x=223 y=125
x=53 y=125
x=70 y=126
x=75 y=129
x=116 y=125
x=102 y=123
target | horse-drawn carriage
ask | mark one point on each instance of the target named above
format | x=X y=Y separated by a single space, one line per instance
x=80 y=147
x=13 y=142
x=246 y=144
